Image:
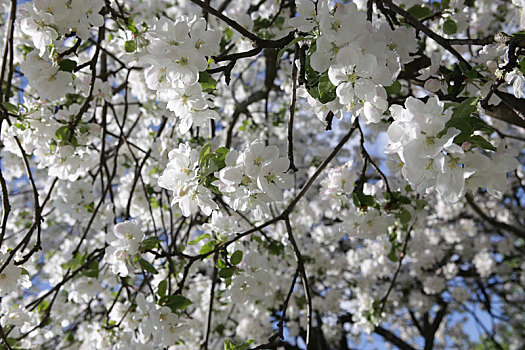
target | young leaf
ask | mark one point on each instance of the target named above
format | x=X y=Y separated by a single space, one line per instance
x=162 y=288
x=146 y=266
x=236 y=257
x=11 y=108
x=419 y=11
x=67 y=65
x=226 y=273
x=130 y=46
x=206 y=235
x=450 y=27
x=177 y=302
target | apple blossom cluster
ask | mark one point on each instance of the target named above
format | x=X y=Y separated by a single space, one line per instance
x=254 y=178
x=354 y=57
x=248 y=180
x=176 y=54
x=123 y=246
x=48 y=137
x=12 y=277
x=339 y=184
x=422 y=147
x=48 y=22
x=172 y=175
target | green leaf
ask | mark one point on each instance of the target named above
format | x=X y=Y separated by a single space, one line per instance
x=67 y=65
x=24 y=271
x=208 y=247
x=276 y=248
x=392 y=256
x=419 y=11
x=206 y=235
x=177 y=302
x=205 y=150
x=131 y=26
x=146 y=266
x=75 y=262
x=327 y=90
x=404 y=216
x=149 y=243
x=283 y=50
x=479 y=124
x=63 y=133
x=92 y=270
x=469 y=73
x=162 y=288
x=207 y=82
x=11 y=108
x=461 y=119
x=221 y=264
x=226 y=273
x=229 y=345
x=20 y=126
x=479 y=141
x=211 y=167
x=236 y=257
x=393 y=89
x=450 y=27
x=466 y=108
x=363 y=200
x=130 y=46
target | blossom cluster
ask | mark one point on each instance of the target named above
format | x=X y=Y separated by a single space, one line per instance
x=360 y=60
x=249 y=180
x=113 y=110
x=176 y=54
x=423 y=148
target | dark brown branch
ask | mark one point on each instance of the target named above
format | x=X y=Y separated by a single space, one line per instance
x=304 y=278
x=492 y=221
x=259 y=42
x=204 y=345
x=392 y=338
x=399 y=264
x=292 y=113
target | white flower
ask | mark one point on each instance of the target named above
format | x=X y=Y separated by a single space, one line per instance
x=272 y=178
x=123 y=245
x=484 y=263
x=11 y=277
x=191 y=197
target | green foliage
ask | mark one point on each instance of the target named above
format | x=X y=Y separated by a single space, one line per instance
x=290 y=44
x=207 y=82
x=226 y=273
x=236 y=257
x=463 y=121
x=318 y=85
x=201 y=237
x=146 y=266
x=419 y=11
x=67 y=65
x=208 y=247
x=149 y=244
x=450 y=27
x=364 y=201
x=175 y=302
x=162 y=288
x=130 y=46
x=229 y=345
x=92 y=270
x=393 y=89
x=11 y=108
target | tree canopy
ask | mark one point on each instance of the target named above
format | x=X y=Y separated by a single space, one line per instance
x=264 y=174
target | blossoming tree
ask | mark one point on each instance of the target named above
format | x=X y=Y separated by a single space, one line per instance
x=266 y=174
